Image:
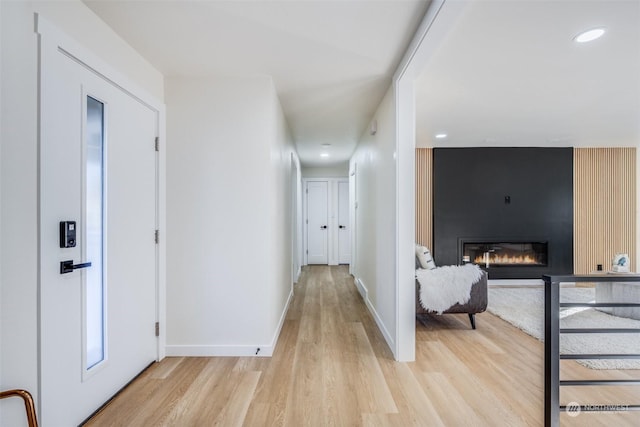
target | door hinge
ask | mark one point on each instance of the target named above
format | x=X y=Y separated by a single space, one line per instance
x=307 y=221
x=157 y=236
x=307 y=251
x=157 y=143
x=157 y=329
x=307 y=191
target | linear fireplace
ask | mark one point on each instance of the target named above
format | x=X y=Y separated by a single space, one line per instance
x=505 y=253
x=504 y=196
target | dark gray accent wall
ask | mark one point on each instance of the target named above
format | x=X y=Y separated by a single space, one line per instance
x=470 y=190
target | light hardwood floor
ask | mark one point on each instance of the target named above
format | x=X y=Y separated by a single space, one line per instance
x=332 y=367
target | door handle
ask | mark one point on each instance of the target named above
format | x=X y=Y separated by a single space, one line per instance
x=69 y=266
x=343 y=226
x=323 y=227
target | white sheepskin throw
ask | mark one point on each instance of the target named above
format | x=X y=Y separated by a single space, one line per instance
x=445 y=286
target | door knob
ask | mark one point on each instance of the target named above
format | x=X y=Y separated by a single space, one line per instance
x=323 y=227
x=69 y=266
x=343 y=226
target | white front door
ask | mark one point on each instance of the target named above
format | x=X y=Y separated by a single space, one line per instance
x=98 y=169
x=344 y=236
x=317 y=222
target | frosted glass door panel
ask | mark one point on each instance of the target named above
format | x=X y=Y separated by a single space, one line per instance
x=94 y=232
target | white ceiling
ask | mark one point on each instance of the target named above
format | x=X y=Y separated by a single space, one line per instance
x=331 y=61
x=509 y=74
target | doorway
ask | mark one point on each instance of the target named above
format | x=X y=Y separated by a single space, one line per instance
x=296 y=214
x=327 y=221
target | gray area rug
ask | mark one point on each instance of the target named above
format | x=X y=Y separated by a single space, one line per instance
x=524 y=308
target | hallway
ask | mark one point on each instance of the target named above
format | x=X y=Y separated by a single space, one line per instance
x=332 y=367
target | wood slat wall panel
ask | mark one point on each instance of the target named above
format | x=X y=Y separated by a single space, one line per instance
x=604 y=206
x=424 y=196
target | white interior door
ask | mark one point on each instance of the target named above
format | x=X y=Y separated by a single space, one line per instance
x=344 y=229
x=97 y=168
x=317 y=222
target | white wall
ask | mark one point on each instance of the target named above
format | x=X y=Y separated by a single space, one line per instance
x=376 y=218
x=339 y=170
x=386 y=171
x=228 y=215
x=279 y=226
x=18 y=188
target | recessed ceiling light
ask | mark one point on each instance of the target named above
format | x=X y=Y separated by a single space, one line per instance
x=589 y=35
x=324 y=154
x=441 y=136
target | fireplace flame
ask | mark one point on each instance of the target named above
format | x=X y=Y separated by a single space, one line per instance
x=505 y=259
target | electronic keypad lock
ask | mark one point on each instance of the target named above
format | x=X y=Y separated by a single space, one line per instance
x=67 y=234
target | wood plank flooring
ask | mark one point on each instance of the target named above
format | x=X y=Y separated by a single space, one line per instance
x=332 y=367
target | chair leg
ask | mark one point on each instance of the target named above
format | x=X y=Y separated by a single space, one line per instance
x=472 y=319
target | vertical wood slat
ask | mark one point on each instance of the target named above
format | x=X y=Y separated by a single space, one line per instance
x=424 y=197
x=604 y=206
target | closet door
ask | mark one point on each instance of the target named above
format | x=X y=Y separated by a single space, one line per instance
x=317 y=193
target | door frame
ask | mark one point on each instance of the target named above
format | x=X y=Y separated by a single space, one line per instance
x=51 y=40
x=346 y=181
x=353 y=213
x=296 y=215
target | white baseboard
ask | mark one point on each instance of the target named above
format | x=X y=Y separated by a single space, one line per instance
x=283 y=316
x=231 y=350
x=219 y=350
x=362 y=289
